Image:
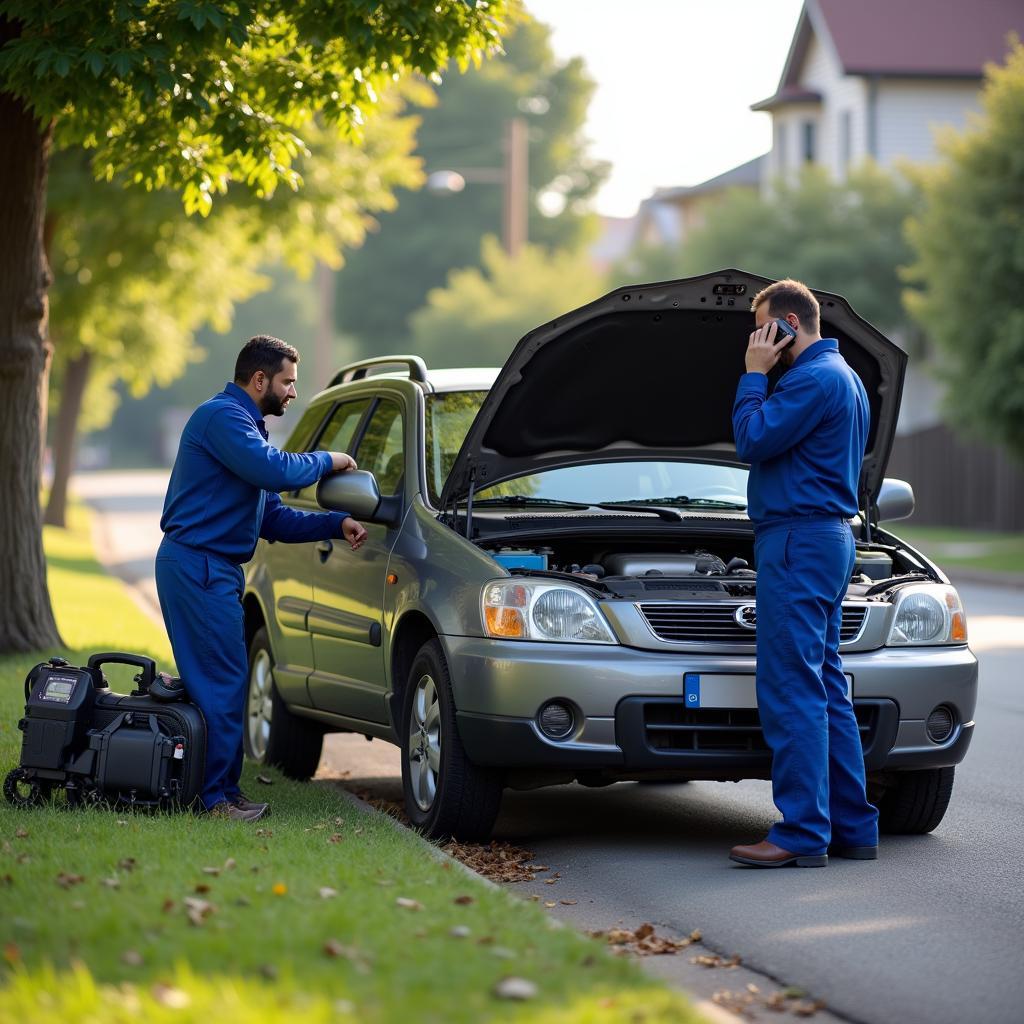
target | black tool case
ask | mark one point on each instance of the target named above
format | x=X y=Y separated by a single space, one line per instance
x=142 y=750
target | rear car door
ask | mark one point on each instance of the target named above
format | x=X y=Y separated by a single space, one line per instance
x=348 y=587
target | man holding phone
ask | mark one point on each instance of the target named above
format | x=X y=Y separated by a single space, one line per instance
x=805 y=445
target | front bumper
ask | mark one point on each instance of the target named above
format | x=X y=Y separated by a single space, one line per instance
x=631 y=717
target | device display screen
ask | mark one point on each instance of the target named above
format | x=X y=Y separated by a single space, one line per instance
x=59 y=690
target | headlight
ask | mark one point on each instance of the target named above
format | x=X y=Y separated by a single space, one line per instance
x=519 y=609
x=928 y=614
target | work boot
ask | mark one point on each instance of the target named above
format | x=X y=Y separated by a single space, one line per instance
x=224 y=809
x=768 y=855
x=249 y=805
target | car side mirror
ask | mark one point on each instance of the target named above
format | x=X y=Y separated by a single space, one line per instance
x=895 y=499
x=355 y=491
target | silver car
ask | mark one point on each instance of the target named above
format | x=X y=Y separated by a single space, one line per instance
x=559 y=579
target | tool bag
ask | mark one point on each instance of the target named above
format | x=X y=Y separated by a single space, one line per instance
x=142 y=750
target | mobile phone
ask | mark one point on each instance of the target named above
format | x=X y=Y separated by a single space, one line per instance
x=786 y=328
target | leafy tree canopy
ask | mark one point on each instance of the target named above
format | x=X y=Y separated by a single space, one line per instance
x=482 y=313
x=969 y=243
x=431 y=234
x=196 y=94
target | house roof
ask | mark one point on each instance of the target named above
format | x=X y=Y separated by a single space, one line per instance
x=746 y=174
x=902 y=38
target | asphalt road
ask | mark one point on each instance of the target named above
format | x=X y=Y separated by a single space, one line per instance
x=931 y=932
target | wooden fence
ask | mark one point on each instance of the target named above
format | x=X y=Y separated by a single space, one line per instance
x=959 y=482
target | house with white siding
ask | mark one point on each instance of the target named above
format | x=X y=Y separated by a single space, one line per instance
x=876 y=79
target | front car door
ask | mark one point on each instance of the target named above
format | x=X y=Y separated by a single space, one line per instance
x=348 y=587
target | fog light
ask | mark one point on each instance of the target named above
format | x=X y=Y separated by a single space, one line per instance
x=556 y=720
x=940 y=724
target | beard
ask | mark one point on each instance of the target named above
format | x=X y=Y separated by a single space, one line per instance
x=272 y=405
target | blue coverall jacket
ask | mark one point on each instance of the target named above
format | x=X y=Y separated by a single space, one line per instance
x=805 y=445
x=222 y=497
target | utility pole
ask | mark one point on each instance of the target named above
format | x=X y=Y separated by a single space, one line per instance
x=516 y=186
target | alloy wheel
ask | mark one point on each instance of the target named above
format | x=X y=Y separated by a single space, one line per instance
x=261 y=705
x=424 y=748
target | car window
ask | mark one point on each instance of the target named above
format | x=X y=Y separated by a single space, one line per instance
x=381 y=450
x=449 y=416
x=337 y=435
x=305 y=428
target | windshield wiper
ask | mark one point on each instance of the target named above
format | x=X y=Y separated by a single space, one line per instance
x=522 y=500
x=683 y=500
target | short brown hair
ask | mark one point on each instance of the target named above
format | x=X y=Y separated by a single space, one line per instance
x=263 y=353
x=789 y=296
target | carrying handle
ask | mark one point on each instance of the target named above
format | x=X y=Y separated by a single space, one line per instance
x=148 y=665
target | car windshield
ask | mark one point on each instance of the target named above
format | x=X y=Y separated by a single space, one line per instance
x=644 y=482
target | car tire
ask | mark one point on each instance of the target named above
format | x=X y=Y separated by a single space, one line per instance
x=914 y=802
x=272 y=734
x=446 y=794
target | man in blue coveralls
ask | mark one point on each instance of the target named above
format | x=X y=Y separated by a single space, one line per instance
x=805 y=444
x=222 y=497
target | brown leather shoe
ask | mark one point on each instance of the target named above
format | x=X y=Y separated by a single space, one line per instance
x=226 y=810
x=250 y=805
x=768 y=855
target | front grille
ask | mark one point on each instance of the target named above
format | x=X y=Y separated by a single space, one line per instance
x=670 y=725
x=690 y=622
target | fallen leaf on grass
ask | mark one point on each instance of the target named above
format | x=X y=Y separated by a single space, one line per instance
x=211 y=871
x=132 y=957
x=327 y=893
x=6 y=880
x=644 y=941
x=202 y=887
x=12 y=954
x=168 y=905
x=65 y=879
x=229 y=864
x=121 y=822
x=265 y=779
x=126 y=863
x=460 y=931
x=265 y=832
x=358 y=959
x=22 y=833
x=197 y=910
x=171 y=997
x=337 y=837
x=112 y=883
x=515 y=988
x=714 y=960
x=407 y=904
x=465 y=900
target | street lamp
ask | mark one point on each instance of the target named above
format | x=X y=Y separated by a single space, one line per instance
x=513 y=176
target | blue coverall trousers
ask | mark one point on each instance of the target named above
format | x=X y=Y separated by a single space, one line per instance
x=803 y=568
x=201 y=600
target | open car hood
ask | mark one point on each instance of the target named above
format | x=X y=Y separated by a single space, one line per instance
x=650 y=372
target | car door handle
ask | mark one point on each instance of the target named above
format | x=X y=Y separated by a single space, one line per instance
x=324 y=549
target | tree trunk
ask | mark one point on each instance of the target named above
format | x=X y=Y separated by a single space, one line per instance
x=44 y=377
x=26 y=617
x=76 y=376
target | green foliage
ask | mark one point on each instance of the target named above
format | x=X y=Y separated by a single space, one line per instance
x=969 y=242
x=430 y=234
x=196 y=94
x=135 y=278
x=845 y=237
x=482 y=313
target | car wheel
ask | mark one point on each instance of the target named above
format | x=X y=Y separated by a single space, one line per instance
x=914 y=803
x=273 y=735
x=446 y=794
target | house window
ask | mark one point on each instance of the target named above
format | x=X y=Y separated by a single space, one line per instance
x=809 y=133
x=780 y=146
x=845 y=139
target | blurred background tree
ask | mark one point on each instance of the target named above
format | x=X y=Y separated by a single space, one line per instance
x=845 y=237
x=478 y=317
x=969 y=267
x=431 y=234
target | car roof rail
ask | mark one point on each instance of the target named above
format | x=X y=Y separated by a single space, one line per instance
x=357 y=371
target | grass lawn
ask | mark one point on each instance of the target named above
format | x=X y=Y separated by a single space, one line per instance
x=299 y=920
x=969 y=549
